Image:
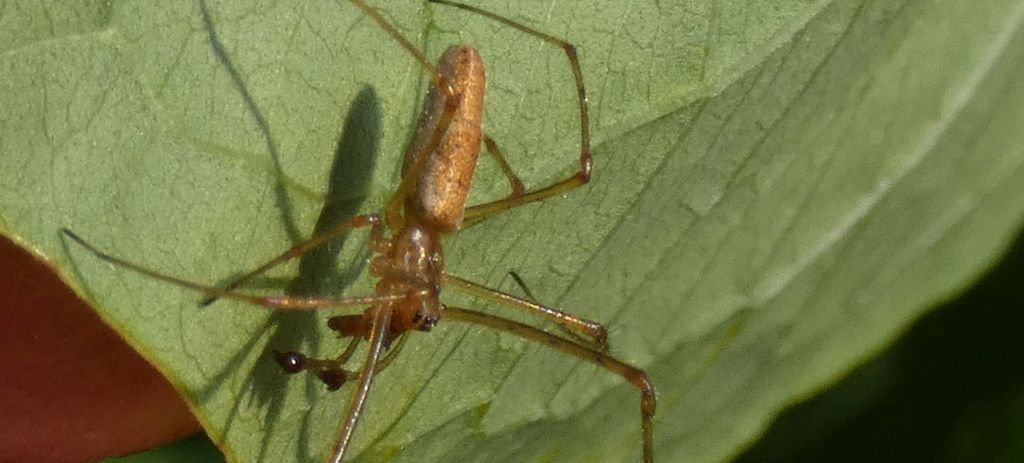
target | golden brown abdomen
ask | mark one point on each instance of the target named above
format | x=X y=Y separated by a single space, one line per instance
x=443 y=185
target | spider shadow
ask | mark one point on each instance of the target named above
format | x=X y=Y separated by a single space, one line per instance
x=354 y=158
x=284 y=203
x=266 y=385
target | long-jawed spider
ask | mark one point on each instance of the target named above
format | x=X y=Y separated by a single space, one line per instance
x=406 y=239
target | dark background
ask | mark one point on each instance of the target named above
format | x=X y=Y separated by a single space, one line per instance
x=951 y=390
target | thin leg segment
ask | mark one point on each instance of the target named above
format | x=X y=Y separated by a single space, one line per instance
x=272 y=302
x=513 y=180
x=479 y=212
x=599 y=345
x=304 y=247
x=635 y=376
x=398 y=37
x=378 y=333
x=522 y=285
x=593 y=332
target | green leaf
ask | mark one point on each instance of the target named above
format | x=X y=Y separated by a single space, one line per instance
x=195 y=449
x=780 y=189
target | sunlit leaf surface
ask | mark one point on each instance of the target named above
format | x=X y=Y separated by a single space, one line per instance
x=780 y=189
